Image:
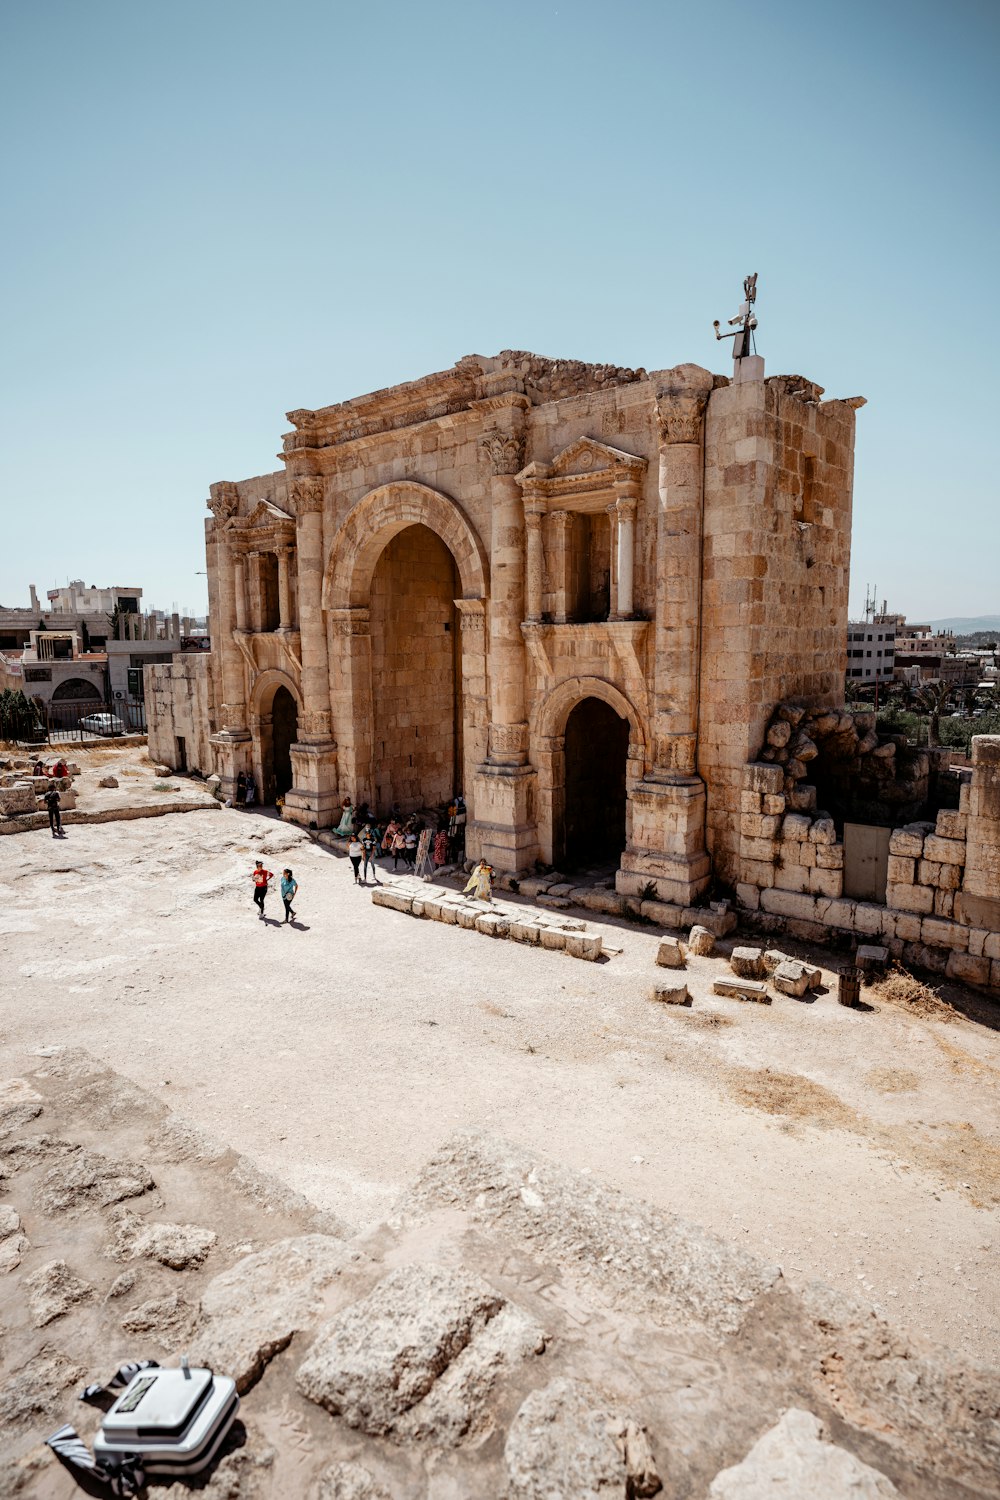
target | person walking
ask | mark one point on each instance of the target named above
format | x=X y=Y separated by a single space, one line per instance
x=410 y=841
x=260 y=878
x=289 y=886
x=55 y=816
x=241 y=790
x=355 y=850
x=368 y=844
x=480 y=883
x=398 y=847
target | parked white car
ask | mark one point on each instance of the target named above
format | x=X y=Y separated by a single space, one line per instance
x=102 y=724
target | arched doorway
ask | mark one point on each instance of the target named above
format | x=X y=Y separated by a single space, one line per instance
x=77 y=690
x=416 y=680
x=596 y=751
x=284 y=729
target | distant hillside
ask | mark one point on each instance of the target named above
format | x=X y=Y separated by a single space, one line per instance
x=966 y=624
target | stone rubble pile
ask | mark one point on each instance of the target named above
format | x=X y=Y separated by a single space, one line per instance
x=21 y=792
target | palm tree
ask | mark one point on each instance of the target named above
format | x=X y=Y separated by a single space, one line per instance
x=932 y=699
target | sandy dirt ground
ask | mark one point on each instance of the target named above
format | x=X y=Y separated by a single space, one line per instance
x=339 y=1052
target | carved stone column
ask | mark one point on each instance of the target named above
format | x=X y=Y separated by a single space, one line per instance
x=231 y=741
x=502 y=817
x=562 y=530
x=612 y=512
x=626 y=505
x=534 y=510
x=284 y=588
x=667 y=842
x=240 y=589
x=313 y=800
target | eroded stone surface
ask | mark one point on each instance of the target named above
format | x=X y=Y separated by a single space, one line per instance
x=19 y=1104
x=52 y=1290
x=748 y=963
x=34 y=1391
x=175 y=1245
x=701 y=941
x=87 y=1178
x=563 y=1445
x=348 y=1482
x=418 y=1356
x=170 y=1320
x=793 y=1461
x=252 y=1310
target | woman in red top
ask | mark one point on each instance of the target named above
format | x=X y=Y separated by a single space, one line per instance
x=260 y=877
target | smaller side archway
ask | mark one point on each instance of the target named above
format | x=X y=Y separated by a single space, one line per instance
x=275 y=705
x=589 y=744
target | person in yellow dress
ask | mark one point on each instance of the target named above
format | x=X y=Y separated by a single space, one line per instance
x=480 y=882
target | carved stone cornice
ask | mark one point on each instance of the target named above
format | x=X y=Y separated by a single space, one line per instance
x=583 y=476
x=505 y=451
x=351 y=621
x=681 y=418
x=223 y=500
x=472 y=613
x=306 y=494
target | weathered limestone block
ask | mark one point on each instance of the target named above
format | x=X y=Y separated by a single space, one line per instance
x=764 y=850
x=553 y=937
x=108 y=781
x=419 y=1356
x=802 y=799
x=662 y=913
x=748 y=963
x=675 y=991
x=86 y=1179
x=586 y=945
x=492 y=924
x=701 y=941
x=757 y=872
x=917 y=898
x=19 y=798
x=19 y=1104
x=968 y=969
x=908 y=926
x=871 y=958
x=760 y=777
x=792 y=1461
x=524 y=931
x=748 y=896
x=789 y=904
x=178 y=1246
x=564 y=1444
x=928 y=873
x=795 y=826
x=791 y=877
x=995 y=974
x=906 y=842
x=830 y=856
x=991 y=947
x=950 y=878
x=395 y=900
x=902 y=870
x=791 y=713
x=793 y=978
x=779 y=734
x=805 y=853
x=964 y=798
x=671 y=954
x=759 y=826
x=772 y=805
x=773 y=957
x=251 y=1311
x=750 y=802
x=867 y=918
x=951 y=825
x=742 y=989
x=919 y=956
x=944 y=851
x=52 y=1290
x=717 y=918
x=823 y=831
x=938 y=934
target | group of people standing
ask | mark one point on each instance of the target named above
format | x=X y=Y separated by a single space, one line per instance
x=246 y=790
x=371 y=837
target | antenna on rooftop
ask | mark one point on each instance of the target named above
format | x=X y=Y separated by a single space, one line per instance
x=871 y=600
x=747 y=363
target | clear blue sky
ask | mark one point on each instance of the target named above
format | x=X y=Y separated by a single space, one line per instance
x=218 y=211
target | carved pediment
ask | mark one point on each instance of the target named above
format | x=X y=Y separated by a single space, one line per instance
x=585 y=473
x=266 y=513
x=587 y=456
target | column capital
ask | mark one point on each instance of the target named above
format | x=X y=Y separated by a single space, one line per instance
x=223 y=500
x=681 y=417
x=505 y=451
x=306 y=494
x=561 y=519
x=534 y=510
x=626 y=506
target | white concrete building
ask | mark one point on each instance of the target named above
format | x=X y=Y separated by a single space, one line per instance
x=871 y=650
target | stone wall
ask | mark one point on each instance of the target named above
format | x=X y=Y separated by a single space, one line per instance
x=778 y=491
x=942 y=908
x=180 y=704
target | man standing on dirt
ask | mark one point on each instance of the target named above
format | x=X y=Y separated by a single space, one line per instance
x=260 y=877
x=55 y=816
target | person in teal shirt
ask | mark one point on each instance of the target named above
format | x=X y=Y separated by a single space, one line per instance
x=288 y=888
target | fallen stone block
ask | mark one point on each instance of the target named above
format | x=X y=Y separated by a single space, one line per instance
x=395 y=900
x=419 y=1356
x=718 y=919
x=670 y=992
x=525 y=932
x=533 y=885
x=492 y=924
x=552 y=937
x=586 y=945
x=792 y=1461
x=564 y=1444
x=871 y=958
x=19 y=798
x=748 y=963
x=671 y=954
x=742 y=989
x=700 y=941
x=773 y=957
x=557 y=903
x=791 y=978
x=663 y=913
x=108 y=781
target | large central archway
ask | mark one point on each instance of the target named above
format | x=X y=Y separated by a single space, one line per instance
x=416 y=682
x=274 y=719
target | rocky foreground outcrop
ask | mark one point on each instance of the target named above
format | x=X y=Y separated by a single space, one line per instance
x=515 y=1331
